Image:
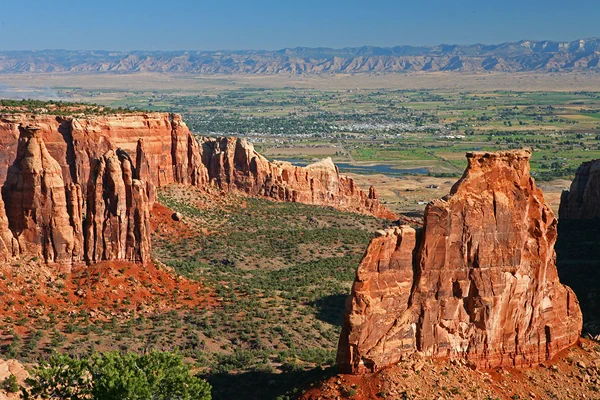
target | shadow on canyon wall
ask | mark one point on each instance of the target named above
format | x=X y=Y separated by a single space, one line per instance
x=578 y=262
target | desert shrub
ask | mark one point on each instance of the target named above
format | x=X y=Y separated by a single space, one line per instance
x=113 y=375
x=10 y=384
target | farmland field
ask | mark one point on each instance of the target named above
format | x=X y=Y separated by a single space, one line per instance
x=418 y=124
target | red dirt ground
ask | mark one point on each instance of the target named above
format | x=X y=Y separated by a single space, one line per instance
x=161 y=221
x=32 y=290
x=102 y=290
x=573 y=374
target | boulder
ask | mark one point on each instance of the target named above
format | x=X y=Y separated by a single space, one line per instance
x=176 y=216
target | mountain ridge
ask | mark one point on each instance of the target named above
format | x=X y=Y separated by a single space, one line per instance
x=521 y=56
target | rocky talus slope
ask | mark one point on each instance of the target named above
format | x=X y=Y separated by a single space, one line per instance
x=574 y=375
x=80 y=189
x=478 y=283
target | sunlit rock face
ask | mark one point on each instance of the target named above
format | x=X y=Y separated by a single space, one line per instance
x=233 y=164
x=80 y=188
x=479 y=282
x=164 y=150
x=117 y=219
x=36 y=200
x=44 y=217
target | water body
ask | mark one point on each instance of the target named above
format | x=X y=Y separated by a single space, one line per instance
x=367 y=169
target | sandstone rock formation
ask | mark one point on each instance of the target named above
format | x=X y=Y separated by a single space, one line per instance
x=582 y=201
x=9 y=247
x=117 y=221
x=234 y=164
x=579 y=234
x=15 y=368
x=186 y=154
x=81 y=188
x=164 y=151
x=44 y=215
x=479 y=282
x=35 y=200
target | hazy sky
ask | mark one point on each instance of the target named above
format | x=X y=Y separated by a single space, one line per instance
x=266 y=24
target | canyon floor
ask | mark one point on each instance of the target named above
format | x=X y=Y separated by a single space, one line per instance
x=250 y=290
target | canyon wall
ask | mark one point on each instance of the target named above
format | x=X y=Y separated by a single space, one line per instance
x=578 y=252
x=582 y=201
x=81 y=188
x=479 y=282
x=233 y=164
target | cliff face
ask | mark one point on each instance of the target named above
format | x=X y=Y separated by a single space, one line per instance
x=54 y=168
x=163 y=149
x=582 y=200
x=233 y=164
x=118 y=218
x=481 y=284
x=36 y=200
x=44 y=215
x=578 y=251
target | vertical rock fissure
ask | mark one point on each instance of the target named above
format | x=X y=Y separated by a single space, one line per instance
x=66 y=130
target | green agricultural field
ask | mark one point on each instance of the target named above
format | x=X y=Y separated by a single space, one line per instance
x=363 y=124
x=407 y=128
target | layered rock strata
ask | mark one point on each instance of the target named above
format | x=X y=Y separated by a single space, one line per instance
x=81 y=188
x=579 y=233
x=42 y=216
x=117 y=218
x=36 y=200
x=479 y=282
x=172 y=154
x=582 y=201
x=233 y=164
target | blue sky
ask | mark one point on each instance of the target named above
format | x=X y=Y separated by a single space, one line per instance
x=266 y=24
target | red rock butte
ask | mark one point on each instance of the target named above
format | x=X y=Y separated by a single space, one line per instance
x=478 y=282
x=80 y=188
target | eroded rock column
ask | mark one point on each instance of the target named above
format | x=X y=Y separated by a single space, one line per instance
x=36 y=202
x=485 y=286
x=117 y=217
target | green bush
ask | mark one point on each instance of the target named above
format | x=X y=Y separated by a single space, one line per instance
x=113 y=375
x=10 y=384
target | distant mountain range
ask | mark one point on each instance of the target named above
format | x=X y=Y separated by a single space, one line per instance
x=526 y=55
